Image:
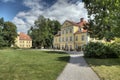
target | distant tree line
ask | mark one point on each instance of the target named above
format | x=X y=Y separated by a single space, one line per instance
x=43 y=31
x=8 y=33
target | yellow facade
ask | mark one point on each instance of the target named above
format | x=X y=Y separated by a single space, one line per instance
x=56 y=42
x=67 y=37
x=80 y=40
x=23 y=43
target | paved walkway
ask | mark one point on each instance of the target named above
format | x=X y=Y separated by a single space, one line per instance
x=77 y=69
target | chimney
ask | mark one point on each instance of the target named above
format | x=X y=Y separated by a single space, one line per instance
x=81 y=19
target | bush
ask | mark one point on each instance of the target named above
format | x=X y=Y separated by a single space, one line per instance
x=116 y=48
x=100 y=50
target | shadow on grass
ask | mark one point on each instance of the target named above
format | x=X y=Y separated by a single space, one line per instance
x=64 y=58
x=106 y=62
x=55 y=52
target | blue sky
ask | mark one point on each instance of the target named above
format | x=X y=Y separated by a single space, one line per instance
x=9 y=8
x=23 y=13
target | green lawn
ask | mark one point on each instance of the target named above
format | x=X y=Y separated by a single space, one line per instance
x=107 y=69
x=31 y=64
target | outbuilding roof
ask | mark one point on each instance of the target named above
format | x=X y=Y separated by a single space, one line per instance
x=23 y=36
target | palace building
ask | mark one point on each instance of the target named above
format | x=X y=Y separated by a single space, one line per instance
x=23 y=41
x=72 y=35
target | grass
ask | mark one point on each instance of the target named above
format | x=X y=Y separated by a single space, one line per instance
x=107 y=69
x=31 y=64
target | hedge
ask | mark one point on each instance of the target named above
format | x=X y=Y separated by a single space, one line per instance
x=101 y=50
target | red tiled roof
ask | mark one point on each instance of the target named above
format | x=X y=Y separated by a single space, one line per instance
x=23 y=36
x=79 y=24
x=82 y=23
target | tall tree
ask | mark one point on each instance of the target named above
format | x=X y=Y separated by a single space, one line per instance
x=104 y=17
x=2 y=42
x=9 y=33
x=43 y=31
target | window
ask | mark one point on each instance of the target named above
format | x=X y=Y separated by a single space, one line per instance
x=66 y=31
x=83 y=37
x=76 y=46
x=70 y=38
x=59 y=39
x=63 y=39
x=62 y=46
x=76 y=38
x=66 y=38
x=63 y=32
x=70 y=30
x=70 y=47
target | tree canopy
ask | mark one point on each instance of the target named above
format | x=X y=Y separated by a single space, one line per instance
x=43 y=31
x=8 y=33
x=104 y=18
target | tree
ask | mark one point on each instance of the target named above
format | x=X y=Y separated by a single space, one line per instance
x=104 y=17
x=9 y=33
x=43 y=31
x=2 y=42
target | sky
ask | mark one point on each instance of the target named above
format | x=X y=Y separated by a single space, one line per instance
x=23 y=13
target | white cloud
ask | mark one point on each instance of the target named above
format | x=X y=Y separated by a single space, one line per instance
x=8 y=0
x=60 y=10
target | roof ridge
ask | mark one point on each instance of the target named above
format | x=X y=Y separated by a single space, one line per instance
x=23 y=36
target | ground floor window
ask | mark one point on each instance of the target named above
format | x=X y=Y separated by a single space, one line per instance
x=76 y=46
x=62 y=46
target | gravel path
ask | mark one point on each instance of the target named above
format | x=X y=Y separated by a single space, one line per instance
x=77 y=69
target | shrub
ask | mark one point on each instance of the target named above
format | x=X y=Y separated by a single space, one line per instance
x=116 y=48
x=100 y=50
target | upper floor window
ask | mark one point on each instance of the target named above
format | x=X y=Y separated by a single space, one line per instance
x=63 y=39
x=83 y=38
x=70 y=30
x=59 y=40
x=66 y=38
x=70 y=38
x=66 y=31
x=76 y=38
x=62 y=31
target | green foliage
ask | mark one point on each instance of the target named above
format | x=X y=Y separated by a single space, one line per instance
x=100 y=50
x=116 y=48
x=104 y=18
x=43 y=31
x=8 y=33
x=2 y=42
